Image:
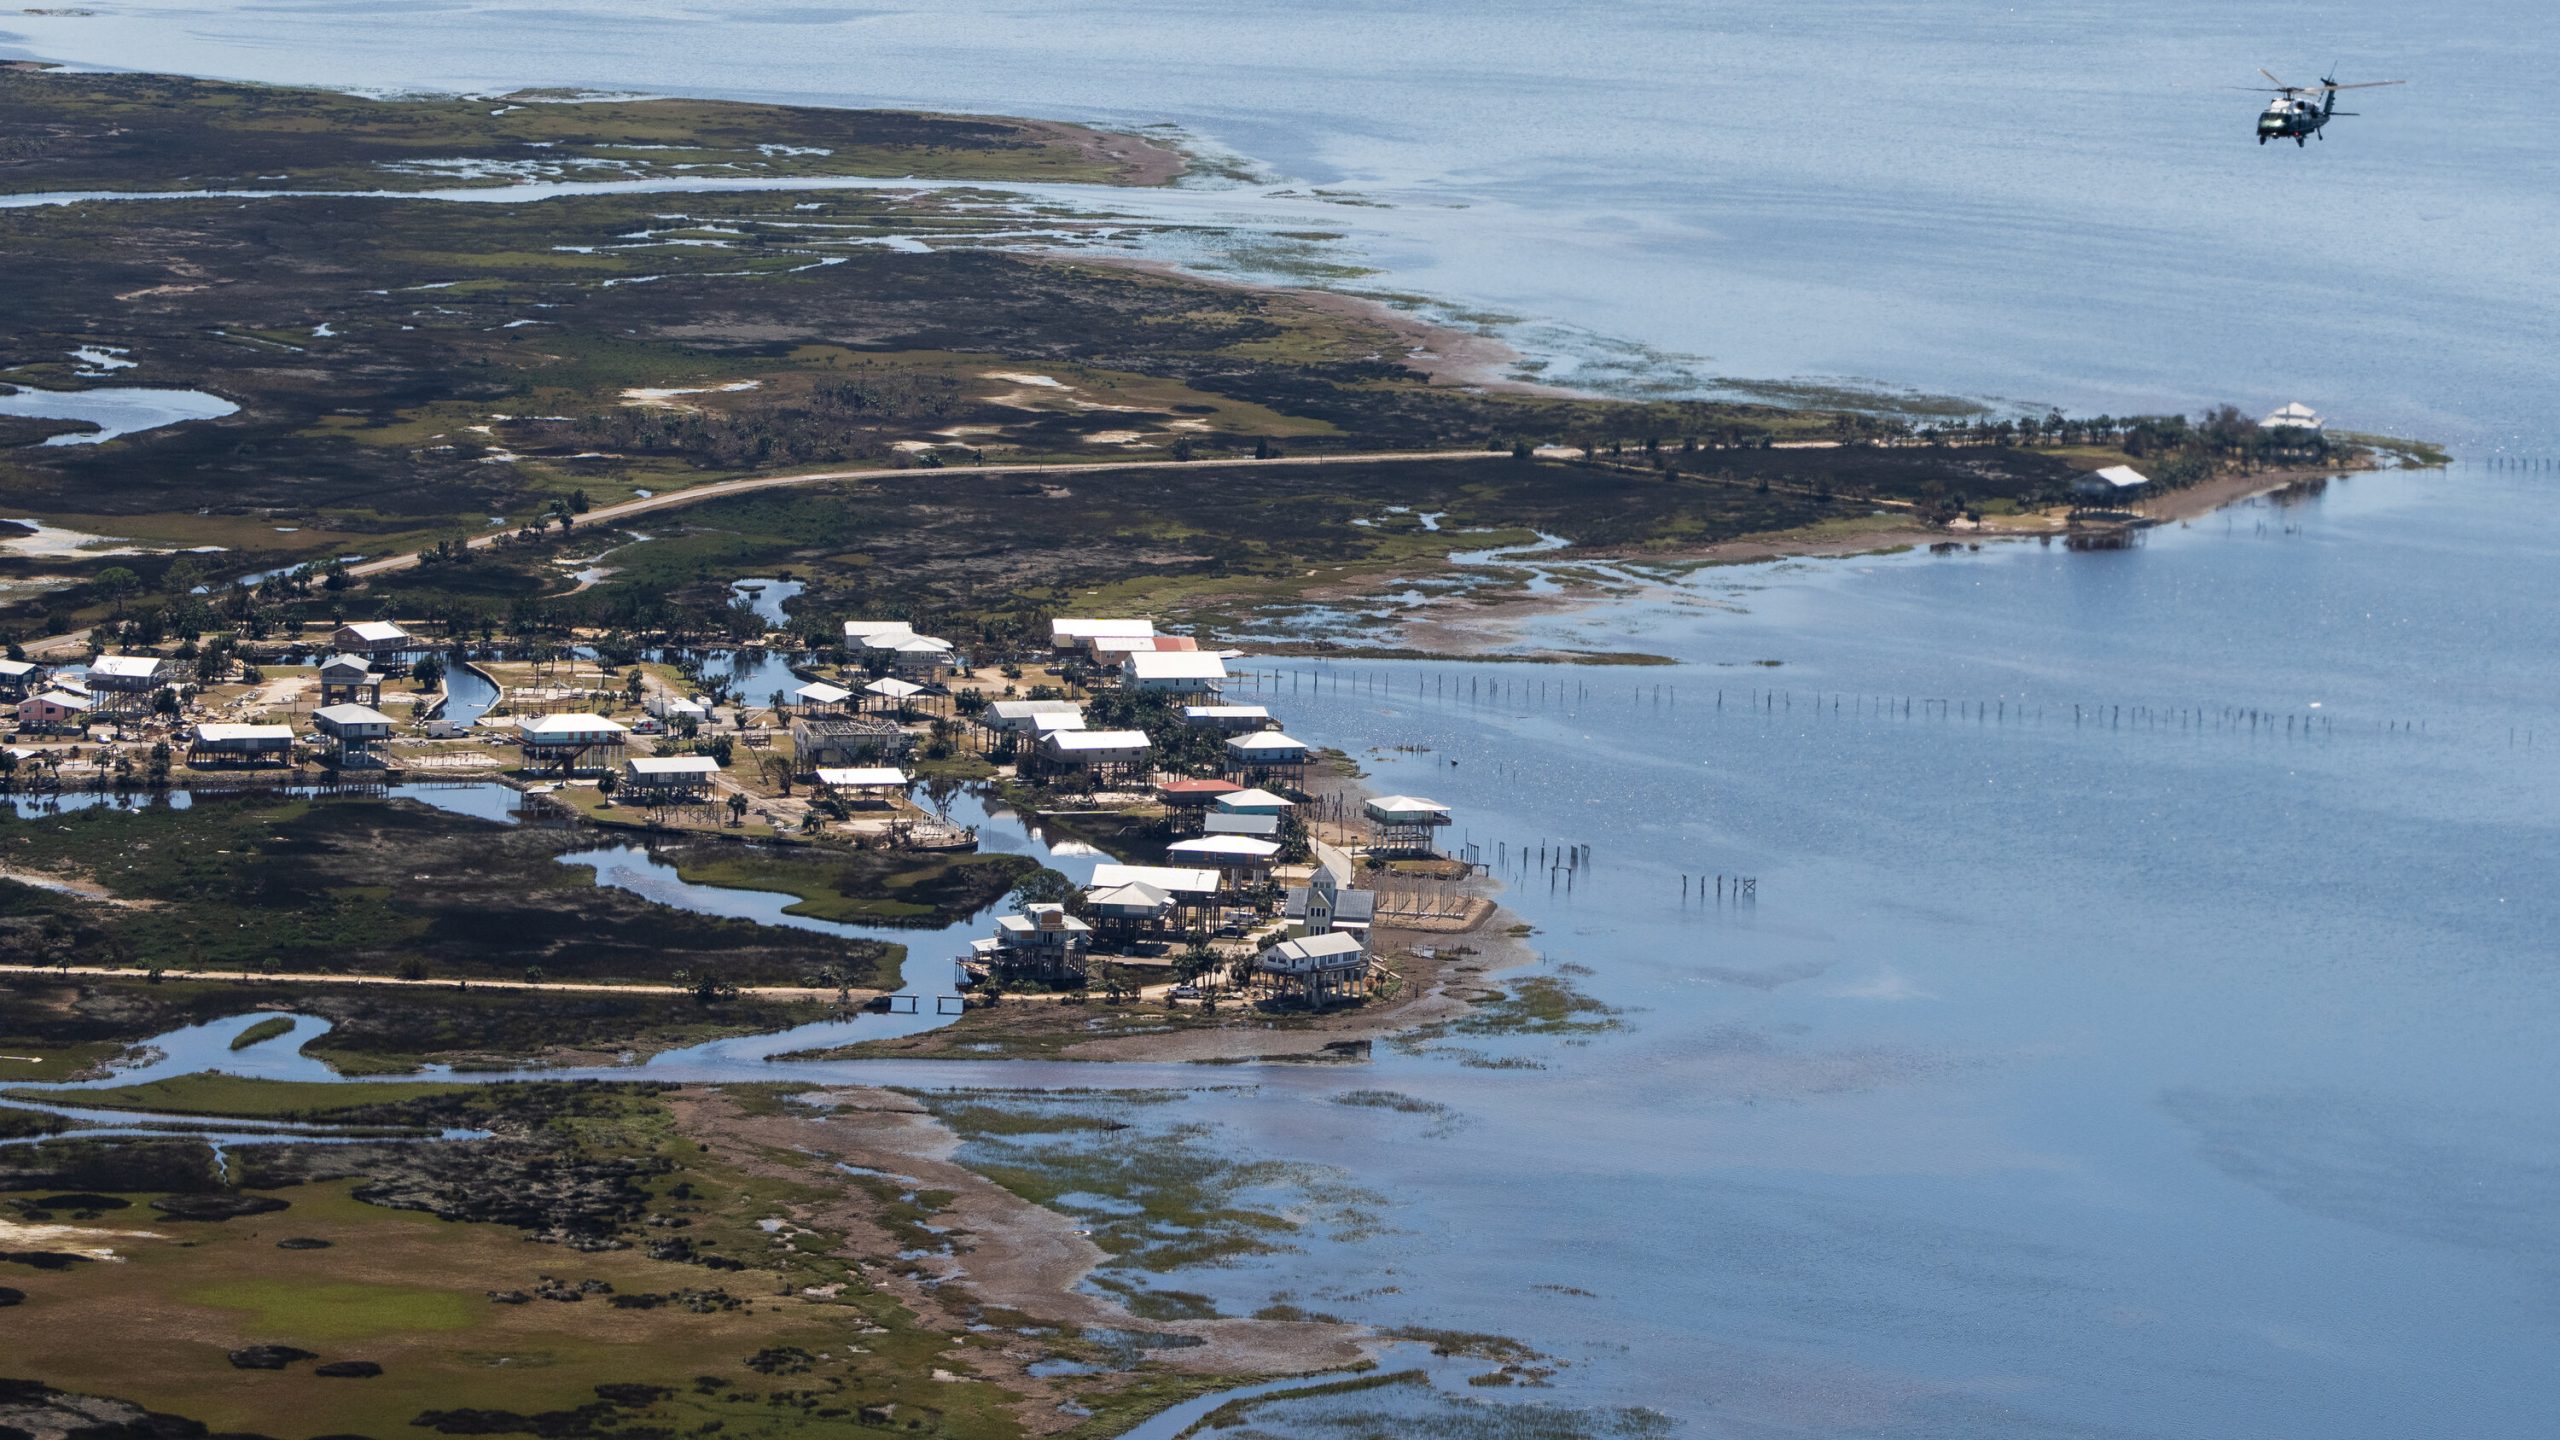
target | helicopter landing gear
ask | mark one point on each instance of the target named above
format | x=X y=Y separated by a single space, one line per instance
x=2297 y=142
x=2262 y=139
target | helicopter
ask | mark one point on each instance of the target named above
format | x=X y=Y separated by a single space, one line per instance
x=2292 y=114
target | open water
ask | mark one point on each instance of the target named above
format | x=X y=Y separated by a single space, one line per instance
x=2057 y=203
x=2142 y=1024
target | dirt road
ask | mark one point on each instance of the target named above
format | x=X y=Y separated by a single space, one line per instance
x=676 y=499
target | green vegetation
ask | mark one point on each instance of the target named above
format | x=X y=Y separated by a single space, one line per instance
x=241 y=1097
x=262 y=1032
x=91 y=131
x=259 y=883
x=869 y=887
x=1157 y=1195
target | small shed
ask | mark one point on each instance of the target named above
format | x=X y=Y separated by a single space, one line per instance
x=666 y=778
x=241 y=745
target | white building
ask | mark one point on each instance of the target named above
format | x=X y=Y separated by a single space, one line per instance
x=2113 y=482
x=1228 y=717
x=54 y=710
x=1403 y=824
x=819 y=695
x=1095 y=749
x=2294 y=416
x=1322 y=968
x=1017 y=717
x=373 y=637
x=1043 y=938
x=880 y=783
x=241 y=744
x=127 y=674
x=672 y=707
x=1075 y=634
x=668 y=777
x=1187 y=885
x=1265 y=750
x=570 y=743
x=356 y=728
x=1254 y=802
x=1174 y=672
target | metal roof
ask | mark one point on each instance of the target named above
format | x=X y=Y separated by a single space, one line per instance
x=1071 y=740
x=863 y=777
x=891 y=686
x=1254 y=802
x=350 y=715
x=1172 y=879
x=1271 y=741
x=1407 y=807
x=1175 y=665
x=1073 y=630
x=672 y=765
x=2123 y=477
x=1136 y=892
x=376 y=630
x=125 y=667
x=212 y=734
x=1239 y=847
x=819 y=692
x=547 y=725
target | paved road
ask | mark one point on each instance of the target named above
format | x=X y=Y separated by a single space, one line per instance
x=676 y=499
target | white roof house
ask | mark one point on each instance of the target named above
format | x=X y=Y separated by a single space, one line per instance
x=352 y=721
x=1068 y=634
x=1228 y=717
x=342 y=667
x=246 y=738
x=1407 y=810
x=125 y=672
x=1041 y=926
x=569 y=730
x=1170 y=879
x=1225 y=850
x=1334 y=950
x=863 y=777
x=911 y=645
x=1096 y=747
x=59 y=700
x=819 y=692
x=1254 y=802
x=1268 y=747
x=18 y=669
x=1017 y=715
x=2113 y=480
x=890 y=688
x=1050 y=724
x=372 y=635
x=1136 y=900
x=863 y=632
x=661 y=771
x=1176 y=670
x=2294 y=416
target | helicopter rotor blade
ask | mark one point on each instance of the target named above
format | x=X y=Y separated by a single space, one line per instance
x=2271 y=77
x=2365 y=85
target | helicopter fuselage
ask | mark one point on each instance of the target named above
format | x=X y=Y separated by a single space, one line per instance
x=2286 y=118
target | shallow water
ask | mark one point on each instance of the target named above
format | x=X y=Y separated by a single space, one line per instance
x=117 y=410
